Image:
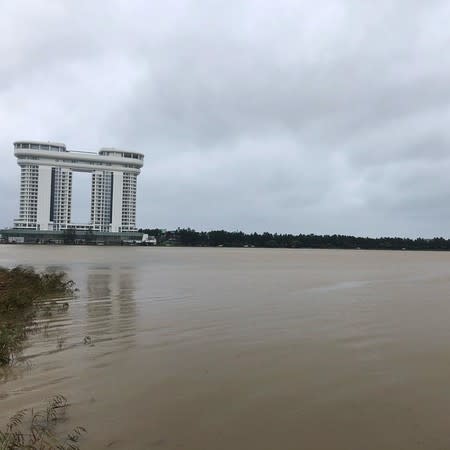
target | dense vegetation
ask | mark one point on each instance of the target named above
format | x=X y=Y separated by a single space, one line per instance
x=23 y=293
x=189 y=237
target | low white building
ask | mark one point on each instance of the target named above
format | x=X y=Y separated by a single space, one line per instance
x=46 y=187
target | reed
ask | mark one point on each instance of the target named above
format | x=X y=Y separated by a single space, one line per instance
x=37 y=429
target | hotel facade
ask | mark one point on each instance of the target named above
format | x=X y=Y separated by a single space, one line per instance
x=46 y=187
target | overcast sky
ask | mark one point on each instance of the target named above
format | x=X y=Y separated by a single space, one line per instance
x=321 y=116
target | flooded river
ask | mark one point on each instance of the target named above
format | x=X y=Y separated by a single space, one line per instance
x=244 y=348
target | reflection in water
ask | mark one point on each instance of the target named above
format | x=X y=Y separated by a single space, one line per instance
x=111 y=305
x=127 y=303
x=99 y=303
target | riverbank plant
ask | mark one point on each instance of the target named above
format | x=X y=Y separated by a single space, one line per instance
x=21 y=287
x=23 y=293
x=37 y=429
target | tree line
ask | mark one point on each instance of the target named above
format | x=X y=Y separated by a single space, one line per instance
x=222 y=238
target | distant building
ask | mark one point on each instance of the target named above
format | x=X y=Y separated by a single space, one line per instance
x=46 y=187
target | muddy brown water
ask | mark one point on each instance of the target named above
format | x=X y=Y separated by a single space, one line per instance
x=244 y=348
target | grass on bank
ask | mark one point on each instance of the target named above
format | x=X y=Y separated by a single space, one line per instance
x=23 y=292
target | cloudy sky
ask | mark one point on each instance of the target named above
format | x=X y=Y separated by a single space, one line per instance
x=313 y=116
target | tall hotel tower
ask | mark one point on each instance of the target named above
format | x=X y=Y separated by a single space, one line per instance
x=46 y=187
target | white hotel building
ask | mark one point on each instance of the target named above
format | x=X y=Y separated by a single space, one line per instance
x=46 y=187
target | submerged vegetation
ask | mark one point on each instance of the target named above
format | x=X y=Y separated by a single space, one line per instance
x=21 y=287
x=23 y=294
x=36 y=429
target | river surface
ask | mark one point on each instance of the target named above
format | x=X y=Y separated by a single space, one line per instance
x=244 y=349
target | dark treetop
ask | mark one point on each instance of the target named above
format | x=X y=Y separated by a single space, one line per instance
x=189 y=237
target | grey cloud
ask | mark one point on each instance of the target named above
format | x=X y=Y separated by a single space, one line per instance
x=325 y=116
